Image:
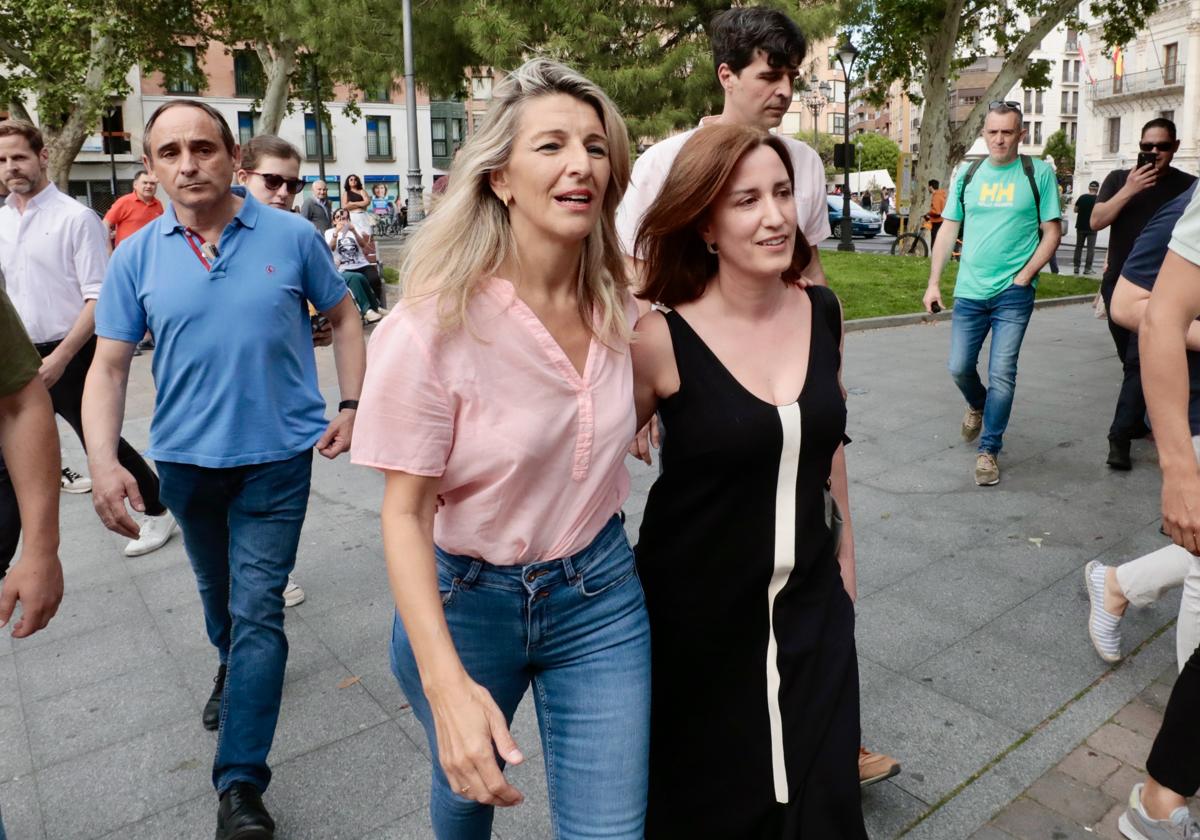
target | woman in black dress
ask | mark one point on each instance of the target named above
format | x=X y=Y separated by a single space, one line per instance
x=754 y=710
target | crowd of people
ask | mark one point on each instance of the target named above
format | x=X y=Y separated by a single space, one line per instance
x=555 y=302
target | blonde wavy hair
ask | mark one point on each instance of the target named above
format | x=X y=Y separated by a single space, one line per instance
x=467 y=237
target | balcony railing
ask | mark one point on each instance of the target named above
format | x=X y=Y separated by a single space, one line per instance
x=1162 y=80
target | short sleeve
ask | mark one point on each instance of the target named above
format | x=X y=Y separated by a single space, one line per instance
x=405 y=421
x=90 y=253
x=953 y=211
x=1186 y=239
x=1050 y=208
x=644 y=184
x=115 y=213
x=119 y=312
x=812 y=210
x=1112 y=185
x=21 y=360
x=322 y=284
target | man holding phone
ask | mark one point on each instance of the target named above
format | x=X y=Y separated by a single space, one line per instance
x=1128 y=199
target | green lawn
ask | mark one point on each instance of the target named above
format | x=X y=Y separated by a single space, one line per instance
x=880 y=284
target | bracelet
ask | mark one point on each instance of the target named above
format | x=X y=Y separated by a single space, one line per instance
x=351 y=404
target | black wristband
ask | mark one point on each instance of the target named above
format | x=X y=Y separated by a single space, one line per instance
x=344 y=404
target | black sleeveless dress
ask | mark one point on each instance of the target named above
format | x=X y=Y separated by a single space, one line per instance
x=754 y=709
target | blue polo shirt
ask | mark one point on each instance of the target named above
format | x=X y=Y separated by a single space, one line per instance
x=233 y=360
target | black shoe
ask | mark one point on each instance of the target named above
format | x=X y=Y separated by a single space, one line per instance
x=212 y=709
x=146 y=344
x=1118 y=454
x=242 y=815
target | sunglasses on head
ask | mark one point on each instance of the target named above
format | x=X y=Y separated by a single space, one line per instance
x=1003 y=103
x=1165 y=146
x=274 y=182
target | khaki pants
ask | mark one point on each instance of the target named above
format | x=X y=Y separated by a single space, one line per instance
x=1144 y=580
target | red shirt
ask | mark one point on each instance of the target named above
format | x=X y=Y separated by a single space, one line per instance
x=129 y=214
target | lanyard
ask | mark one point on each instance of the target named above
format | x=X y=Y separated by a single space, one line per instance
x=203 y=251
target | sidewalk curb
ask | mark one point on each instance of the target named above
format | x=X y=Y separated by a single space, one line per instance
x=981 y=797
x=885 y=321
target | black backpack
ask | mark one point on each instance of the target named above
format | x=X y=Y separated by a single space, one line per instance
x=1026 y=166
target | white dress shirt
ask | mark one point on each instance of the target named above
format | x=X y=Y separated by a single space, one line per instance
x=651 y=169
x=53 y=257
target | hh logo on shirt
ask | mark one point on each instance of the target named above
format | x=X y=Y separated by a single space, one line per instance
x=997 y=195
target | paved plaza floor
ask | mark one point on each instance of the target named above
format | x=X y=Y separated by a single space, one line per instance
x=975 y=664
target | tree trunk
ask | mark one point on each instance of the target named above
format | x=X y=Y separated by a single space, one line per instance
x=278 y=60
x=66 y=139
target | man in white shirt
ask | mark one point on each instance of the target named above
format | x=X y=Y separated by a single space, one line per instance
x=757 y=52
x=53 y=253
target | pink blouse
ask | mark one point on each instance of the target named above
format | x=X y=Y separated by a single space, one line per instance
x=531 y=455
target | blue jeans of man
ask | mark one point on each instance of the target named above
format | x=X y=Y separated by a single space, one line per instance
x=577 y=629
x=1005 y=316
x=241 y=528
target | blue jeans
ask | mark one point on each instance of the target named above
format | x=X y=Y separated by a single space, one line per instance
x=577 y=628
x=241 y=527
x=1006 y=315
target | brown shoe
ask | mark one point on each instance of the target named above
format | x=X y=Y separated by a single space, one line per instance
x=875 y=767
x=987 y=469
x=972 y=423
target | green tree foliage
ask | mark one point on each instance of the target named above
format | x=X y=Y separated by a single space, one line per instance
x=877 y=152
x=67 y=61
x=925 y=44
x=1063 y=151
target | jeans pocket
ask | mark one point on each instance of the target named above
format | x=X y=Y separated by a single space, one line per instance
x=449 y=583
x=607 y=572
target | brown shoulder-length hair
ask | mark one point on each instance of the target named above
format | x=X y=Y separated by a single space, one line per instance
x=677 y=264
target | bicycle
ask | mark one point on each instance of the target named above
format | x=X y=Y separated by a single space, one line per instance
x=914 y=244
x=387 y=227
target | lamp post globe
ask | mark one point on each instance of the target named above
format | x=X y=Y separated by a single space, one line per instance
x=847 y=53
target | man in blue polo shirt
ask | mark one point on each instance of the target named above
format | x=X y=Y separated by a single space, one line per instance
x=221 y=280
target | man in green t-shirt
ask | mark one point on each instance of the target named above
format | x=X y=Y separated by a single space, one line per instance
x=29 y=475
x=1009 y=203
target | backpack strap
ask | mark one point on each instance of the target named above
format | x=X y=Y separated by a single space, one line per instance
x=1027 y=165
x=962 y=193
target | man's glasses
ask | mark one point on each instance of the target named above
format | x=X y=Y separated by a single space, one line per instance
x=1165 y=146
x=274 y=182
x=996 y=104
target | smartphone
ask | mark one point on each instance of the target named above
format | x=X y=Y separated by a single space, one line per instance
x=1146 y=159
x=319 y=322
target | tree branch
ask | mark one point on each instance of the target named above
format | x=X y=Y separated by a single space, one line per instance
x=15 y=54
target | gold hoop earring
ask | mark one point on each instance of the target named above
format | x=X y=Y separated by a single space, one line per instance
x=711 y=246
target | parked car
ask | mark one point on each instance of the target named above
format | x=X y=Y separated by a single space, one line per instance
x=863 y=222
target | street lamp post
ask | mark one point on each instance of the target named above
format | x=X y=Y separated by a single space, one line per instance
x=416 y=202
x=815 y=100
x=847 y=53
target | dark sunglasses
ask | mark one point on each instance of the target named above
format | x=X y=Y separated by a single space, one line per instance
x=1004 y=103
x=274 y=182
x=1165 y=146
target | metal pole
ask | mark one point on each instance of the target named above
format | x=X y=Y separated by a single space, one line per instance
x=112 y=162
x=316 y=83
x=416 y=204
x=847 y=243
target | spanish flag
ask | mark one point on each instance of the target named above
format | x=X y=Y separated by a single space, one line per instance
x=1118 y=63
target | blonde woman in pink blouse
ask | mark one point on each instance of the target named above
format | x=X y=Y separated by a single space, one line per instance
x=502 y=388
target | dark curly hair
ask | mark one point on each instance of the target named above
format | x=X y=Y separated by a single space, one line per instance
x=737 y=34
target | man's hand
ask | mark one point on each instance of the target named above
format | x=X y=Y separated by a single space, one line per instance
x=112 y=484
x=1181 y=509
x=1019 y=280
x=933 y=295
x=1140 y=179
x=52 y=369
x=336 y=439
x=37 y=583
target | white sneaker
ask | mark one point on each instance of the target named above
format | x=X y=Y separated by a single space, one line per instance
x=155 y=532
x=73 y=482
x=371 y=316
x=292 y=593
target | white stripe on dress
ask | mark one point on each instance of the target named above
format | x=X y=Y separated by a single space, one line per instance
x=785 y=560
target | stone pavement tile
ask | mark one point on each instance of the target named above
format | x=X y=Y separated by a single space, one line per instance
x=1005 y=680
x=353 y=633
x=1107 y=828
x=951 y=472
x=1140 y=718
x=82 y=610
x=890 y=628
x=1070 y=797
x=195 y=819
x=937 y=741
x=375 y=673
x=174 y=586
x=414 y=826
x=1156 y=696
x=88 y=658
x=317 y=711
x=182 y=628
x=10 y=691
x=125 y=782
x=16 y=758
x=20 y=810
x=415 y=732
x=108 y=712
x=990 y=832
x=1121 y=782
x=1088 y=766
x=349 y=787
x=1121 y=743
x=888 y=809
x=1025 y=819
x=1019 y=559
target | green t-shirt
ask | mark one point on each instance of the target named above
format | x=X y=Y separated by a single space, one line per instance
x=1002 y=224
x=19 y=362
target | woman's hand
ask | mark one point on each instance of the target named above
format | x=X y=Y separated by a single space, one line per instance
x=471 y=730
